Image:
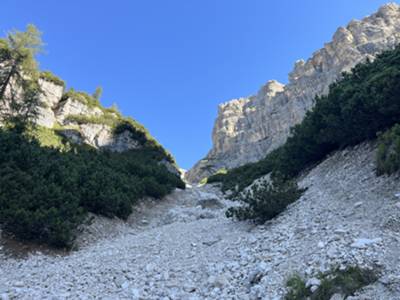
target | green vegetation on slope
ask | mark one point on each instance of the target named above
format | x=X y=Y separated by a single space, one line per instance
x=19 y=76
x=47 y=184
x=45 y=192
x=388 y=155
x=48 y=76
x=344 y=282
x=357 y=107
x=265 y=201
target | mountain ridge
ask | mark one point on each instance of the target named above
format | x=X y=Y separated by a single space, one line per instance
x=248 y=128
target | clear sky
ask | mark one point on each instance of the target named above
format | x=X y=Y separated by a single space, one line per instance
x=169 y=63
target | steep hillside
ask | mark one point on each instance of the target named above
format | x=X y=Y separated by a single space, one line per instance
x=185 y=248
x=63 y=155
x=247 y=129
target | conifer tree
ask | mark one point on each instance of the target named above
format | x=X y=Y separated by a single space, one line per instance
x=19 y=88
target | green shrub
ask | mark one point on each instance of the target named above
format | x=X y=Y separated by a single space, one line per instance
x=388 y=154
x=297 y=289
x=358 y=106
x=47 y=185
x=138 y=132
x=45 y=193
x=238 y=178
x=265 y=201
x=48 y=76
x=345 y=282
x=141 y=134
x=46 y=137
x=113 y=110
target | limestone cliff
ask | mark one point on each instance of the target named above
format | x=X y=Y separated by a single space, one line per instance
x=81 y=119
x=247 y=129
x=57 y=109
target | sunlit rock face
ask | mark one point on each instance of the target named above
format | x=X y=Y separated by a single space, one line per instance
x=54 y=110
x=246 y=129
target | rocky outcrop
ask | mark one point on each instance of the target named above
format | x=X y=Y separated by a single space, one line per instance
x=49 y=99
x=247 y=129
x=82 y=120
x=100 y=136
x=54 y=109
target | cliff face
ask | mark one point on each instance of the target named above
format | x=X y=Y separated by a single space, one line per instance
x=247 y=129
x=81 y=119
x=56 y=110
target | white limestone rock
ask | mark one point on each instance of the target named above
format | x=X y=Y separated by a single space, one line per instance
x=73 y=107
x=246 y=129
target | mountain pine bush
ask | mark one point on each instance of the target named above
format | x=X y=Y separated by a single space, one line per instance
x=344 y=282
x=265 y=201
x=47 y=184
x=388 y=155
x=46 y=192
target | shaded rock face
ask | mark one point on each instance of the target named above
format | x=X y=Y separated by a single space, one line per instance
x=246 y=129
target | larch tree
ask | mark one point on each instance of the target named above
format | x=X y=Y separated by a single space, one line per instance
x=19 y=74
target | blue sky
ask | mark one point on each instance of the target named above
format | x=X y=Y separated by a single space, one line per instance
x=168 y=64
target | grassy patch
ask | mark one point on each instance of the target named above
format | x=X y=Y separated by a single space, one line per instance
x=46 y=137
x=48 y=76
x=82 y=97
x=106 y=119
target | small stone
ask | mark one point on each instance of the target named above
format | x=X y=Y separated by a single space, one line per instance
x=313 y=282
x=150 y=267
x=135 y=293
x=211 y=242
x=190 y=288
x=321 y=244
x=340 y=231
x=4 y=296
x=218 y=281
x=125 y=285
x=212 y=203
x=252 y=240
x=18 y=284
x=364 y=243
x=358 y=204
x=337 y=297
x=313 y=288
x=397 y=205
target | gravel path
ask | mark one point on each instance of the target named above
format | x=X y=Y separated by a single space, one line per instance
x=185 y=248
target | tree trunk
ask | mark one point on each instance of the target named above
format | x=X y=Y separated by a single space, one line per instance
x=7 y=81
